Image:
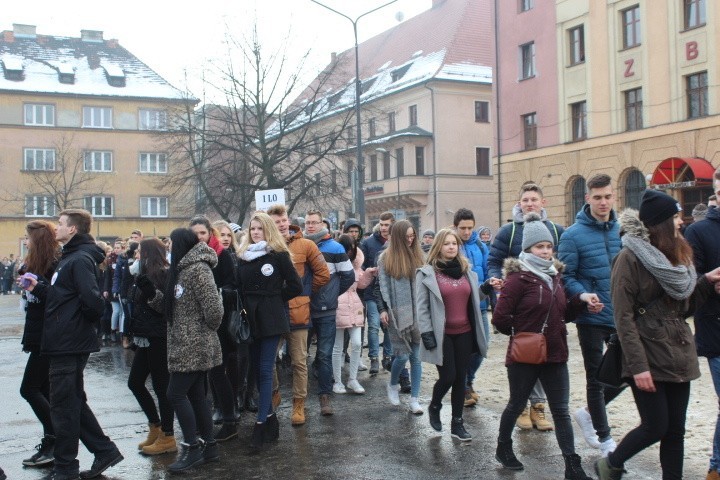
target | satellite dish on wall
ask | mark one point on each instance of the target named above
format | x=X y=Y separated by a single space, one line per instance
x=399 y=16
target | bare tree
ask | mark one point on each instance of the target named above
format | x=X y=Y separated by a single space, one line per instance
x=261 y=137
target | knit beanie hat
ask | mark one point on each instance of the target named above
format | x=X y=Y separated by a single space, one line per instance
x=535 y=231
x=429 y=232
x=656 y=207
x=235 y=227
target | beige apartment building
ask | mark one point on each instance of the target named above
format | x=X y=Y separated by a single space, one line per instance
x=625 y=87
x=427 y=122
x=82 y=122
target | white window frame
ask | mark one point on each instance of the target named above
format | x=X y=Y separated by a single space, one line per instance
x=39 y=114
x=105 y=159
x=154 y=203
x=97 y=117
x=152 y=119
x=48 y=204
x=97 y=204
x=31 y=159
x=150 y=162
x=532 y=69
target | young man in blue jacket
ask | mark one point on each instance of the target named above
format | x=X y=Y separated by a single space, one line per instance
x=587 y=249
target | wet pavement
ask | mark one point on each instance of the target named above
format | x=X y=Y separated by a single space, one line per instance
x=365 y=439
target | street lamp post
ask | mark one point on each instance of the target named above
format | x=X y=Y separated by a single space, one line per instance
x=397 y=176
x=358 y=191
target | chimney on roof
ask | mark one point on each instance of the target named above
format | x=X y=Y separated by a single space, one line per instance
x=91 y=36
x=112 y=43
x=24 y=31
x=333 y=57
x=8 y=36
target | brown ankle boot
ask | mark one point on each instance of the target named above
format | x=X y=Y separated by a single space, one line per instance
x=298 y=414
x=165 y=443
x=152 y=435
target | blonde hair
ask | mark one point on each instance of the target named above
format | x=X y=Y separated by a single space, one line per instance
x=274 y=239
x=400 y=259
x=217 y=225
x=434 y=256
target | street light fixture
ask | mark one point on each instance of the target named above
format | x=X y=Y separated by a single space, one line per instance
x=358 y=190
x=397 y=175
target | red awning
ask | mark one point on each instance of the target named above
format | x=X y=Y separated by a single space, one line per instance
x=683 y=172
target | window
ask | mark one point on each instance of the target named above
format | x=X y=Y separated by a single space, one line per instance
x=351 y=134
x=96 y=161
x=530 y=130
x=633 y=109
x=153 y=119
x=39 y=159
x=577 y=45
x=631 y=26
x=350 y=172
x=526 y=5
x=633 y=189
x=697 y=95
x=97 y=117
x=153 y=206
x=482 y=112
x=482 y=161
x=391 y=122
x=39 y=206
x=153 y=163
x=527 y=60
x=318 y=185
x=412 y=115
x=577 y=197
x=579 y=121
x=99 y=206
x=333 y=180
x=373 y=168
x=694 y=13
x=41 y=115
x=419 y=160
x=386 y=164
x=400 y=159
x=371 y=128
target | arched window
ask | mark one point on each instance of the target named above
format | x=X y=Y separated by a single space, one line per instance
x=576 y=197
x=633 y=187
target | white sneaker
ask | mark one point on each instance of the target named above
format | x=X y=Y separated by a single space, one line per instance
x=339 y=388
x=607 y=447
x=362 y=367
x=393 y=394
x=415 y=406
x=582 y=417
x=355 y=387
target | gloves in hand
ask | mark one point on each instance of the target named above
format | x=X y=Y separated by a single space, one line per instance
x=146 y=286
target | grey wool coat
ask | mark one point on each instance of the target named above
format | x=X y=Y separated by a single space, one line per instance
x=430 y=313
x=193 y=343
x=396 y=297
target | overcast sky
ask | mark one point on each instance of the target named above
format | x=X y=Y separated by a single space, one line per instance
x=179 y=37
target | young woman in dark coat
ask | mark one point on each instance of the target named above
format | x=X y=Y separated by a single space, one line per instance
x=267 y=280
x=43 y=255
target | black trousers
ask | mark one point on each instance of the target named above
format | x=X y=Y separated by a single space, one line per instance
x=187 y=394
x=456 y=358
x=662 y=419
x=35 y=389
x=152 y=361
x=71 y=416
x=223 y=388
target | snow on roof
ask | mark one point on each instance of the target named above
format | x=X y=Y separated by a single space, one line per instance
x=465 y=72
x=11 y=62
x=45 y=57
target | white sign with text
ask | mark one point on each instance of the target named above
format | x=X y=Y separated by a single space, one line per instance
x=264 y=199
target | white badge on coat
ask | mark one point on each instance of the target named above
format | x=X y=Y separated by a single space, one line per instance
x=54 y=277
x=179 y=290
x=267 y=269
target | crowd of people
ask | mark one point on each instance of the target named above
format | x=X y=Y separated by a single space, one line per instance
x=178 y=303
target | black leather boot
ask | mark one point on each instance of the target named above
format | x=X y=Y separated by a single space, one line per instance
x=434 y=416
x=272 y=429
x=457 y=430
x=257 y=438
x=573 y=468
x=505 y=455
x=190 y=456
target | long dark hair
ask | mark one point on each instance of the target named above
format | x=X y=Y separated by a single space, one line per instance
x=664 y=236
x=350 y=246
x=44 y=250
x=183 y=240
x=153 y=261
x=401 y=260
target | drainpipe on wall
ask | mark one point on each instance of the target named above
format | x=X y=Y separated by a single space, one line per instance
x=496 y=81
x=435 y=184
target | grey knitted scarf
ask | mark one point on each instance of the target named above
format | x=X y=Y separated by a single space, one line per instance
x=677 y=281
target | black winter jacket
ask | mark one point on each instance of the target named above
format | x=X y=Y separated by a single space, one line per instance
x=73 y=303
x=34 y=315
x=224 y=276
x=147 y=321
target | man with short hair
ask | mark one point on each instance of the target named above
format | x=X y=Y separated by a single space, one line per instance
x=427 y=240
x=712 y=201
x=371 y=248
x=313 y=271
x=352 y=227
x=587 y=249
x=324 y=302
x=508 y=243
x=73 y=307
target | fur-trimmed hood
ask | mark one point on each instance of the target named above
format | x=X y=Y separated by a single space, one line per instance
x=630 y=224
x=513 y=265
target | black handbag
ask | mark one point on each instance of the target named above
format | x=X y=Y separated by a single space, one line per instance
x=238 y=323
x=429 y=341
x=610 y=370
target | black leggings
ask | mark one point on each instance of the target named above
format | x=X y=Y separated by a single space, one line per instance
x=223 y=388
x=152 y=361
x=186 y=393
x=662 y=418
x=456 y=358
x=35 y=388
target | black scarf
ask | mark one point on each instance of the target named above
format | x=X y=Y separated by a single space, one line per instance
x=452 y=268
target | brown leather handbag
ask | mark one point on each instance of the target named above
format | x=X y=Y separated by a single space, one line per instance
x=530 y=347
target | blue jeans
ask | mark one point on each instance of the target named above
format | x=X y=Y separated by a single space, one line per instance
x=262 y=353
x=415 y=369
x=475 y=358
x=325 y=331
x=373 y=318
x=714 y=364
